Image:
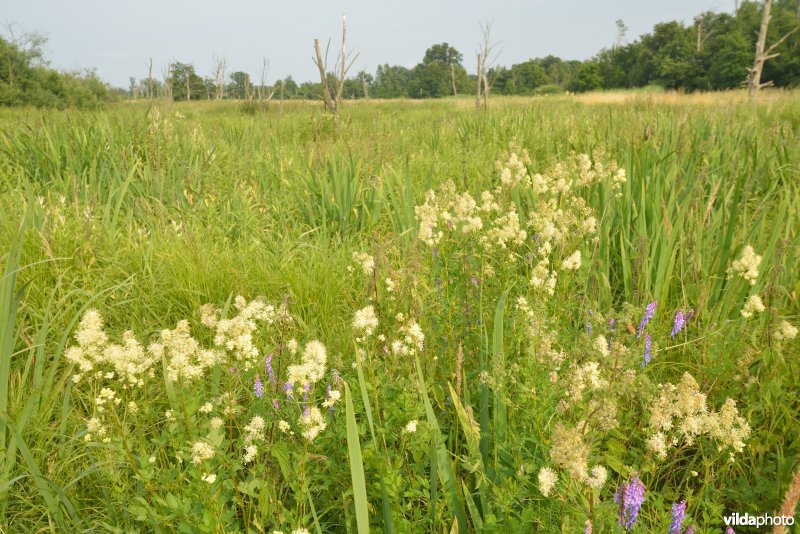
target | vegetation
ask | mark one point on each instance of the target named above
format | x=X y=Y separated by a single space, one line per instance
x=446 y=318
x=25 y=79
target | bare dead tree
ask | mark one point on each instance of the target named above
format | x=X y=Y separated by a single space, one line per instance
x=262 y=87
x=478 y=84
x=365 y=85
x=150 y=79
x=165 y=72
x=332 y=89
x=487 y=55
x=763 y=54
x=220 y=65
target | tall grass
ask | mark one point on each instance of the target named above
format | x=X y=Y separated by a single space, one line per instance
x=148 y=213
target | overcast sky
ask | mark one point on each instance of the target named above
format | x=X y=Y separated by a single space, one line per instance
x=118 y=36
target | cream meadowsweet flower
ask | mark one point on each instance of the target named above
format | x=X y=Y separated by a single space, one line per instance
x=597 y=477
x=573 y=262
x=785 y=331
x=366 y=261
x=206 y=408
x=746 y=266
x=313 y=423
x=201 y=451
x=312 y=367
x=411 y=427
x=216 y=423
x=547 y=480
x=209 y=478
x=753 y=305
x=365 y=321
x=250 y=453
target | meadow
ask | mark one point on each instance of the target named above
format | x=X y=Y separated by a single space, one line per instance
x=563 y=314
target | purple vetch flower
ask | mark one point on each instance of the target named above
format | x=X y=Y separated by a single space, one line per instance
x=589 y=324
x=689 y=530
x=729 y=530
x=587 y=529
x=474 y=281
x=629 y=498
x=270 y=370
x=648 y=352
x=232 y=370
x=258 y=387
x=649 y=311
x=328 y=397
x=680 y=321
x=678 y=515
x=288 y=389
x=612 y=328
x=275 y=404
x=306 y=391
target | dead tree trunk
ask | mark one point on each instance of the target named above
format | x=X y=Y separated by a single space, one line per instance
x=150 y=79
x=453 y=78
x=332 y=95
x=479 y=81
x=365 y=86
x=484 y=63
x=763 y=54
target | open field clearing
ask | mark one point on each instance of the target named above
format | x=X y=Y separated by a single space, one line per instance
x=563 y=313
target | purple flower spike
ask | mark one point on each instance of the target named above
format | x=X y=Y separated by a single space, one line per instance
x=678 y=515
x=648 y=349
x=270 y=370
x=649 y=311
x=275 y=404
x=288 y=389
x=681 y=319
x=258 y=387
x=629 y=498
x=589 y=324
x=689 y=530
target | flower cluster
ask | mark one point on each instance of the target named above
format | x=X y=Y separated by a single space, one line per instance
x=680 y=413
x=746 y=266
x=99 y=359
x=753 y=305
x=235 y=335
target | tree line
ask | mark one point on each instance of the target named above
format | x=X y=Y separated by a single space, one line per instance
x=712 y=52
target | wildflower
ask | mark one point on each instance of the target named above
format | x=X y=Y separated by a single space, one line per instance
x=313 y=423
x=678 y=515
x=255 y=429
x=390 y=285
x=598 y=477
x=411 y=427
x=649 y=311
x=210 y=478
x=201 y=451
x=366 y=261
x=648 y=353
x=629 y=498
x=589 y=324
x=292 y=346
x=547 y=480
x=753 y=305
x=573 y=262
x=283 y=426
x=288 y=389
x=151 y=460
x=270 y=370
x=680 y=321
x=746 y=266
x=333 y=396
x=276 y=405
x=312 y=367
x=250 y=453
x=216 y=423
x=601 y=343
x=365 y=321
x=785 y=330
x=587 y=527
x=258 y=387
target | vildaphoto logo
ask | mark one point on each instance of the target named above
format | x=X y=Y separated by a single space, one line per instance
x=758 y=521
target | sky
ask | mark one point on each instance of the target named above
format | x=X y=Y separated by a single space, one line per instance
x=117 y=37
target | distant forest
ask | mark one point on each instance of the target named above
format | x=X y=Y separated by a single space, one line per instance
x=713 y=52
